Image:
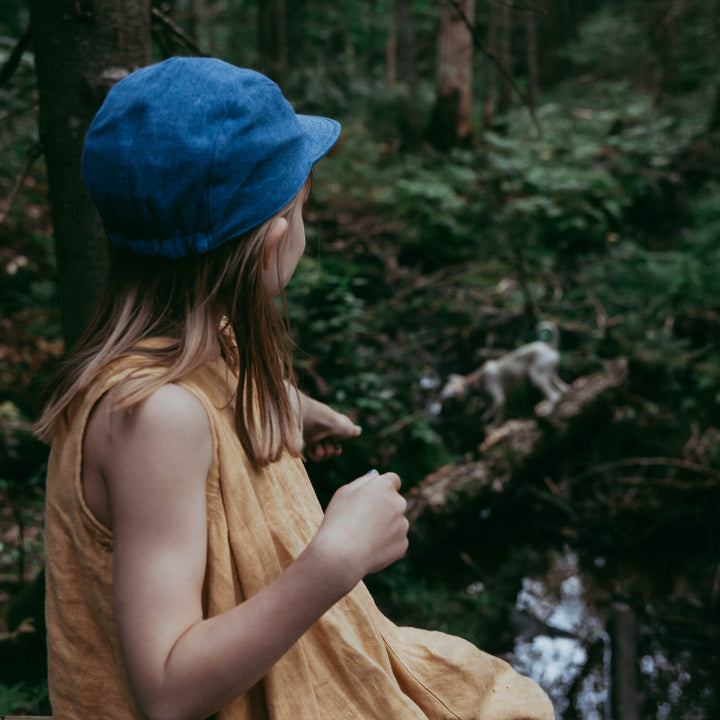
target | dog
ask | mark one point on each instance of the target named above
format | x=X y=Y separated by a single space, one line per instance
x=536 y=361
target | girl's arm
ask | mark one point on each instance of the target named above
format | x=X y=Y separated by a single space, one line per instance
x=155 y=465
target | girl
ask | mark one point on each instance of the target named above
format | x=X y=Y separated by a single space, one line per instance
x=190 y=569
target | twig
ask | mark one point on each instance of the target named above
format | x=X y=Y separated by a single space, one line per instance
x=401 y=423
x=521 y=8
x=490 y=55
x=674 y=483
x=426 y=280
x=33 y=154
x=12 y=63
x=604 y=321
x=650 y=462
x=175 y=30
x=715 y=596
x=695 y=354
x=18 y=111
x=551 y=499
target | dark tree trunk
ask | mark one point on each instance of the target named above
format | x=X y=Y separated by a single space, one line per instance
x=194 y=13
x=659 y=17
x=81 y=49
x=371 y=48
x=406 y=73
x=505 y=56
x=391 y=57
x=272 y=39
x=533 y=67
x=403 y=21
x=450 y=122
x=714 y=23
x=714 y=123
x=491 y=71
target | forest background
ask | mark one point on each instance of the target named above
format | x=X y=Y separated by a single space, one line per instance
x=500 y=164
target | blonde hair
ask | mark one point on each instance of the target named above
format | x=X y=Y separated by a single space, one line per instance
x=198 y=303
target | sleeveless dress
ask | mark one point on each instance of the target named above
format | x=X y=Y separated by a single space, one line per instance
x=352 y=664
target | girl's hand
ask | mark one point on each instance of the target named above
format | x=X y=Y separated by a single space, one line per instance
x=365 y=528
x=324 y=429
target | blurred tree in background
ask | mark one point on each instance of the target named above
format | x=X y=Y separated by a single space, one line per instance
x=80 y=51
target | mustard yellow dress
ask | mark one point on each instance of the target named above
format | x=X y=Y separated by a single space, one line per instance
x=352 y=664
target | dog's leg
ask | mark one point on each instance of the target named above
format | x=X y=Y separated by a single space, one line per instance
x=492 y=382
x=558 y=383
x=540 y=376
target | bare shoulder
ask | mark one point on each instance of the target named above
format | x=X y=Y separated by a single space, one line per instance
x=170 y=405
x=161 y=442
x=170 y=423
x=171 y=412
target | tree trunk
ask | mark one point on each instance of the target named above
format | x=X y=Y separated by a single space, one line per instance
x=406 y=72
x=714 y=23
x=533 y=68
x=194 y=14
x=659 y=17
x=272 y=39
x=505 y=58
x=491 y=71
x=714 y=122
x=450 y=124
x=403 y=22
x=391 y=58
x=81 y=49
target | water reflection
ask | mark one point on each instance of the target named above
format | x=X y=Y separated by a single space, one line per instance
x=561 y=643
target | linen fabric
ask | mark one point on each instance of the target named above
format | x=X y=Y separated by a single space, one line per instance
x=352 y=664
x=190 y=152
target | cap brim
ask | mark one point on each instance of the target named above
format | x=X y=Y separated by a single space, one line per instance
x=321 y=134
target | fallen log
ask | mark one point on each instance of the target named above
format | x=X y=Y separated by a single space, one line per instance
x=509 y=449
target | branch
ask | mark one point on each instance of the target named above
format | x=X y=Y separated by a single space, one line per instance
x=490 y=55
x=521 y=8
x=650 y=462
x=401 y=423
x=12 y=63
x=176 y=32
x=33 y=154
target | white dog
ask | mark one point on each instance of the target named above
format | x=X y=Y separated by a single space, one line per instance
x=537 y=361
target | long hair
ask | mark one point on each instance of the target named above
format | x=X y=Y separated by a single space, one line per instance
x=199 y=304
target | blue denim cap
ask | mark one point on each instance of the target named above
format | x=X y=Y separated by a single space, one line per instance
x=188 y=153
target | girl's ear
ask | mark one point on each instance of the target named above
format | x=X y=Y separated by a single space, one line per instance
x=278 y=227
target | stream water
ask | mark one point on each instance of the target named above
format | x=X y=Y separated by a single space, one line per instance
x=563 y=642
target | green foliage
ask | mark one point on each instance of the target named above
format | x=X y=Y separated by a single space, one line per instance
x=418 y=599
x=22 y=479
x=592 y=53
x=18 y=101
x=695 y=282
x=604 y=164
x=22 y=698
x=441 y=206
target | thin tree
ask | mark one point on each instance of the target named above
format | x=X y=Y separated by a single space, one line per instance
x=505 y=91
x=401 y=71
x=491 y=70
x=272 y=39
x=533 y=66
x=81 y=50
x=659 y=17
